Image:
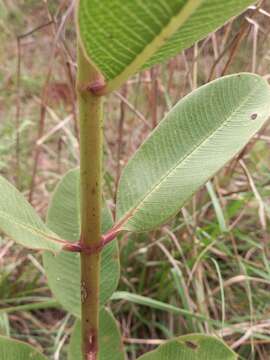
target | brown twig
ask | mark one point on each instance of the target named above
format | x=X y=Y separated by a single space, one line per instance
x=44 y=99
x=18 y=98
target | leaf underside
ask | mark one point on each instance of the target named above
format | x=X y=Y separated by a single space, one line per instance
x=192 y=347
x=110 y=343
x=63 y=271
x=20 y=221
x=122 y=37
x=11 y=349
x=196 y=138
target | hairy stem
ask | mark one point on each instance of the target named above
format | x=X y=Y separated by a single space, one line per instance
x=90 y=115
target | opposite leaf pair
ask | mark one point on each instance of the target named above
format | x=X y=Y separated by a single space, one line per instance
x=196 y=138
x=201 y=133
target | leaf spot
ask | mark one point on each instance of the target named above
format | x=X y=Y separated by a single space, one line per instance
x=254 y=116
x=191 y=345
x=83 y=292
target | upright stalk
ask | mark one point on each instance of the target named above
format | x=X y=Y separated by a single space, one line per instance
x=90 y=119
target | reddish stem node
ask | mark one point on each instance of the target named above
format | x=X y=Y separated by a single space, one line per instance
x=73 y=247
x=89 y=250
x=97 y=87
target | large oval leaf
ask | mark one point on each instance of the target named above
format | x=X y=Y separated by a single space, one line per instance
x=110 y=343
x=20 y=221
x=63 y=271
x=120 y=37
x=192 y=347
x=11 y=349
x=197 y=137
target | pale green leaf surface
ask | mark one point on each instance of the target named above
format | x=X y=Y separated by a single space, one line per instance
x=192 y=347
x=11 y=349
x=63 y=271
x=121 y=37
x=196 y=138
x=20 y=221
x=110 y=343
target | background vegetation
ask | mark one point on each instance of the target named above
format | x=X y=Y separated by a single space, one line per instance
x=212 y=259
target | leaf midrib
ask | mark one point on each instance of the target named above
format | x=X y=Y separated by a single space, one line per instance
x=31 y=229
x=124 y=219
x=150 y=49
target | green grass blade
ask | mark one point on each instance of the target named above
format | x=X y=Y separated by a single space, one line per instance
x=159 y=305
x=217 y=207
x=46 y=304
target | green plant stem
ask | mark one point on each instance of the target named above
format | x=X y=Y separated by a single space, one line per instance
x=90 y=117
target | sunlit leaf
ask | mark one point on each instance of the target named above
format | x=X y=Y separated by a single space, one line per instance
x=63 y=271
x=121 y=37
x=196 y=138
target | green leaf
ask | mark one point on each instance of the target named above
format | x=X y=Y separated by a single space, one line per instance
x=110 y=343
x=63 y=271
x=197 y=137
x=16 y=350
x=20 y=221
x=192 y=347
x=121 y=37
